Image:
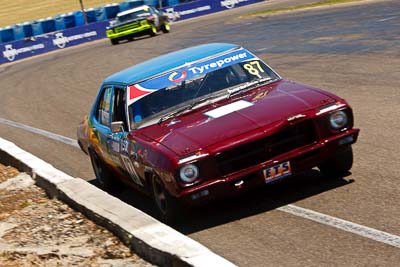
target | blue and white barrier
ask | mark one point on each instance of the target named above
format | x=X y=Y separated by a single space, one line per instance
x=52 y=41
x=44 y=43
x=203 y=7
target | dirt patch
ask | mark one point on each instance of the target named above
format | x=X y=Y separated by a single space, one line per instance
x=38 y=231
x=7 y=172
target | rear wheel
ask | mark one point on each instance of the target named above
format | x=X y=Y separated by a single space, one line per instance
x=167 y=206
x=114 y=41
x=104 y=175
x=165 y=27
x=339 y=165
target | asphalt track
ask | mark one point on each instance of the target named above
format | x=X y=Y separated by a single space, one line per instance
x=351 y=50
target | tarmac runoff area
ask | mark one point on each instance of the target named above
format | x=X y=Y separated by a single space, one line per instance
x=155 y=242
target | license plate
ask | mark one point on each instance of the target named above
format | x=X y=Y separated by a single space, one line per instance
x=277 y=172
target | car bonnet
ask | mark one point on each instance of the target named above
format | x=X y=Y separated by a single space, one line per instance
x=216 y=126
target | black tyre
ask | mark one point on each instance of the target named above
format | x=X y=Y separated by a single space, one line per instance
x=153 y=30
x=104 y=176
x=114 y=41
x=169 y=210
x=166 y=28
x=339 y=165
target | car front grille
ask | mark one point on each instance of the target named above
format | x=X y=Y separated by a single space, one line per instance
x=246 y=155
x=127 y=27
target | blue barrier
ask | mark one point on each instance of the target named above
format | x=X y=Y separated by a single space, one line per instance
x=28 y=31
x=135 y=3
x=79 y=19
x=91 y=15
x=95 y=14
x=172 y=2
x=203 y=7
x=36 y=28
x=59 y=23
x=44 y=43
x=123 y=6
x=53 y=41
x=18 y=30
x=151 y=2
x=48 y=25
x=111 y=10
x=163 y=3
x=100 y=14
x=7 y=34
x=69 y=20
x=175 y=11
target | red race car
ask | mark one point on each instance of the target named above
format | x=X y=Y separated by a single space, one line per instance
x=211 y=121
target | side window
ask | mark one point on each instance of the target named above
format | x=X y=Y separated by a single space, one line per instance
x=156 y=12
x=103 y=108
x=119 y=113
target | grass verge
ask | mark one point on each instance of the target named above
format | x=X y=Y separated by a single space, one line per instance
x=18 y=11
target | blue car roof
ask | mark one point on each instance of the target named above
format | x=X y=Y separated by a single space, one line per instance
x=167 y=62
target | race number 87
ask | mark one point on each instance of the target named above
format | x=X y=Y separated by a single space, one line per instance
x=254 y=68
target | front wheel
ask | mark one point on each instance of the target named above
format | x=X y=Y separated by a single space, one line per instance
x=153 y=30
x=166 y=28
x=339 y=165
x=167 y=206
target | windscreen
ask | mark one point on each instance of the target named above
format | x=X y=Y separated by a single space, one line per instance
x=141 y=14
x=221 y=75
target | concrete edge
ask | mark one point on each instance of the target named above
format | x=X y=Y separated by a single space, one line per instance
x=154 y=241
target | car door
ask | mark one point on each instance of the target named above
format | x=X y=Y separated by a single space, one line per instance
x=123 y=152
x=101 y=123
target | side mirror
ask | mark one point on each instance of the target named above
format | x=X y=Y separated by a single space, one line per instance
x=117 y=127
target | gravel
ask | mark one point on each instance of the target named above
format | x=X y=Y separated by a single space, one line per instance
x=38 y=231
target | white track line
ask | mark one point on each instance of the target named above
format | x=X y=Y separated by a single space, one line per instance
x=344 y=225
x=386 y=19
x=47 y=134
x=347 y=226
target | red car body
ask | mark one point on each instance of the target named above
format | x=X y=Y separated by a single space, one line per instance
x=249 y=139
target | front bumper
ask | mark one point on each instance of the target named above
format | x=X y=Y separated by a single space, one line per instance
x=301 y=159
x=133 y=31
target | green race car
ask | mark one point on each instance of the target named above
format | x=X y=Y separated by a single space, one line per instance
x=143 y=20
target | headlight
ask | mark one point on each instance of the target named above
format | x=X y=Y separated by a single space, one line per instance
x=189 y=173
x=338 y=119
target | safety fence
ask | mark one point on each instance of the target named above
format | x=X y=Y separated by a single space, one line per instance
x=68 y=30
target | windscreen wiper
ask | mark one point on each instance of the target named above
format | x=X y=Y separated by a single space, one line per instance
x=185 y=108
x=248 y=85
